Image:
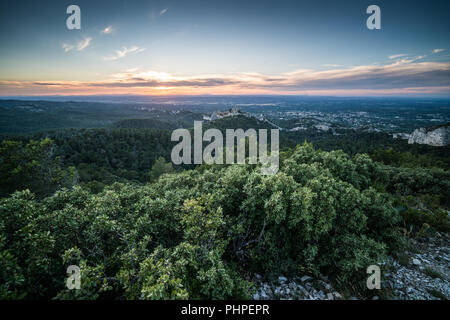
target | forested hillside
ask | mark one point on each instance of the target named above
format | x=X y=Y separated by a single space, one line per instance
x=200 y=233
x=110 y=201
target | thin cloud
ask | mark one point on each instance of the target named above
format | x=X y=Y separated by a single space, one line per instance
x=107 y=30
x=437 y=50
x=67 y=47
x=408 y=76
x=163 y=11
x=80 y=46
x=395 y=56
x=124 y=52
x=84 y=44
x=332 y=65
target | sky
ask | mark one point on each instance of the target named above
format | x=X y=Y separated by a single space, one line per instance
x=225 y=47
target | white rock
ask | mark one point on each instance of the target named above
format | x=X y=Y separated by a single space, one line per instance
x=416 y=262
x=431 y=136
x=337 y=295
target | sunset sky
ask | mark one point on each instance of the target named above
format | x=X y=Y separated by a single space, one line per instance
x=225 y=47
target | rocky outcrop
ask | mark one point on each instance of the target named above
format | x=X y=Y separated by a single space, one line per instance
x=422 y=274
x=298 y=288
x=435 y=136
x=419 y=274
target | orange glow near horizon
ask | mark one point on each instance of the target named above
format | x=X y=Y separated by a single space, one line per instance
x=168 y=91
x=394 y=78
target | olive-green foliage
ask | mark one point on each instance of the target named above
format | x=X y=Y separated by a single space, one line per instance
x=310 y=216
x=420 y=181
x=24 y=248
x=32 y=166
x=160 y=167
x=423 y=210
x=198 y=233
x=111 y=155
x=411 y=159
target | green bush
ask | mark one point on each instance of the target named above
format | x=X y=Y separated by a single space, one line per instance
x=197 y=234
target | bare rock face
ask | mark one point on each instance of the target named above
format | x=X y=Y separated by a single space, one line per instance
x=435 y=136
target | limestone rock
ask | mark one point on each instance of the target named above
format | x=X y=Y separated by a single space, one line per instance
x=435 y=136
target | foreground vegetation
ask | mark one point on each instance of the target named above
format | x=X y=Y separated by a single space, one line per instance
x=201 y=233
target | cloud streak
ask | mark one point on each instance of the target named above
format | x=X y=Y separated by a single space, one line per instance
x=107 y=30
x=84 y=44
x=438 y=50
x=80 y=46
x=395 y=56
x=121 y=53
x=67 y=47
x=399 y=77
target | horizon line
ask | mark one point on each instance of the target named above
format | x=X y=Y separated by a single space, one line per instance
x=412 y=96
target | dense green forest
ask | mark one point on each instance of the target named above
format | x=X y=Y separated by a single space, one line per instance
x=127 y=150
x=110 y=201
x=21 y=117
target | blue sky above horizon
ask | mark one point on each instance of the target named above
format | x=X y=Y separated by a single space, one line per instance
x=225 y=47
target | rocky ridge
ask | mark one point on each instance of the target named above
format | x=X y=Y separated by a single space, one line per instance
x=423 y=274
x=436 y=136
x=419 y=274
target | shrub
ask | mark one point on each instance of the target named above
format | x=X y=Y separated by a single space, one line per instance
x=197 y=234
